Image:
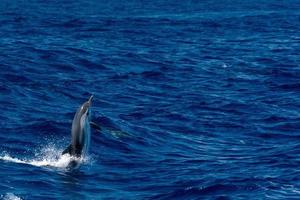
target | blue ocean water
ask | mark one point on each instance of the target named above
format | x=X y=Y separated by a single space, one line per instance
x=198 y=99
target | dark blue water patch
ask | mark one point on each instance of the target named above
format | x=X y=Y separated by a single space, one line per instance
x=217 y=190
x=90 y=64
x=4 y=89
x=17 y=79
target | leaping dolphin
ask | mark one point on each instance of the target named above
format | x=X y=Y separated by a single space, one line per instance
x=81 y=131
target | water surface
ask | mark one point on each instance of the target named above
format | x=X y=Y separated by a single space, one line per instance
x=200 y=99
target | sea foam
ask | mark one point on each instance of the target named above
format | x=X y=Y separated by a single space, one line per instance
x=10 y=196
x=48 y=157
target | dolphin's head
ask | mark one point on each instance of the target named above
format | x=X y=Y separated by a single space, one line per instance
x=86 y=107
x=82 y=115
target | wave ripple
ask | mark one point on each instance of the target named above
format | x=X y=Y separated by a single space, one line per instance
x=197 y=99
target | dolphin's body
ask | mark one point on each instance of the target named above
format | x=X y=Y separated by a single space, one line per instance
x=81 y=132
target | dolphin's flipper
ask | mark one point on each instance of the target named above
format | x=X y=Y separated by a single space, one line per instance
x=95 y=126
x=67 y=150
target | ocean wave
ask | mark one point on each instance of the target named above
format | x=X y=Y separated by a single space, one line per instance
x=196 y=98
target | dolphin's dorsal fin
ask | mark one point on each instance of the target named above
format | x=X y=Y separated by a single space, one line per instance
x=67 y=150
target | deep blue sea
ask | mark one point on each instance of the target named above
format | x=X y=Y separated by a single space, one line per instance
x=196 y=99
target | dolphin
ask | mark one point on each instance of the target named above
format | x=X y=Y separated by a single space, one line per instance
x=81 y=131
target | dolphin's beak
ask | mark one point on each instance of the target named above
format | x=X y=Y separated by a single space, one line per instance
x=90 y=99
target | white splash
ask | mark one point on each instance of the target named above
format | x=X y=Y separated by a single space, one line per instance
x=224 y=65
x=48 y=157
x=11 y=196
